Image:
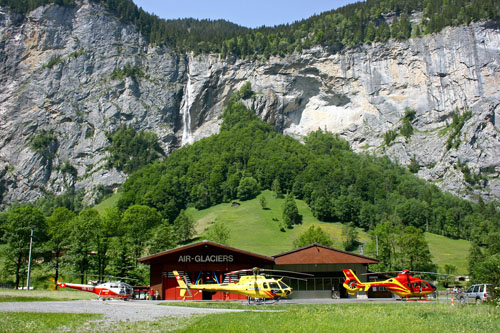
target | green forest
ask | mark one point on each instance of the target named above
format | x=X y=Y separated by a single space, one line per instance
x=348 y=26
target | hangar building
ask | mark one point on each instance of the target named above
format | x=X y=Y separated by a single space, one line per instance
x=207 y=262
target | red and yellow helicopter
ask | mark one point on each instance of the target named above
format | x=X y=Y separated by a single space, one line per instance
x=105 y=290
x=403 y=285
x=257 y=287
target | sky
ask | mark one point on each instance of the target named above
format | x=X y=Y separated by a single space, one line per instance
x=251 y=14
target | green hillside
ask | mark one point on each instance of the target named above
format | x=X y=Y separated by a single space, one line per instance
x=449 y=251
x=253 y=228
x=108 y=203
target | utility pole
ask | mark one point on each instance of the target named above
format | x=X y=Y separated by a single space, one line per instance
x=29 y=259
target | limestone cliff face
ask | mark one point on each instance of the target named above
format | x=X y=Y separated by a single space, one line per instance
x=56 y=77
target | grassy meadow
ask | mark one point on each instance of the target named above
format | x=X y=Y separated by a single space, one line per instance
x=109 y=202
x=445 y=250
x=258 y=230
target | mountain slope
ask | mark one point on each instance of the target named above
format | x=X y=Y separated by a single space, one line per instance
x=59 y=85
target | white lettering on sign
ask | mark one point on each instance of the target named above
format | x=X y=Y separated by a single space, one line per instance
x=185 y=258
x=202 y=258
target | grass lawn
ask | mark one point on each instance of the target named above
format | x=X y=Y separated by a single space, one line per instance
x=11 y=295
x=344 y=317
x=373 y=317
x=83 y=322
x=45 y=322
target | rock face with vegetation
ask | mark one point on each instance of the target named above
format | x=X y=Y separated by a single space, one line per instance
x=72 y=76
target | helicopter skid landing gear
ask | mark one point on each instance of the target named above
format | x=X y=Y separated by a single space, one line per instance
x=260 y=301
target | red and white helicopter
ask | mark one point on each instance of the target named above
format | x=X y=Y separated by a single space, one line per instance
x=104 y=290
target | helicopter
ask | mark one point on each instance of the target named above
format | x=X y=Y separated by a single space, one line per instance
x=104 y=290
x=257 y=287
x=404 y=285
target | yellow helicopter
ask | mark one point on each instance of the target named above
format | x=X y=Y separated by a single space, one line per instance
x=257 y=287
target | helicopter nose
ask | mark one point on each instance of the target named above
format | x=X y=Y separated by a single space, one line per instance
x=432 y=286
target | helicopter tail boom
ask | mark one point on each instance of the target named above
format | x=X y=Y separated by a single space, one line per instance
x=182 y=285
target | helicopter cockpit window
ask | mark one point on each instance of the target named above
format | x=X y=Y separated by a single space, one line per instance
x=283 y=286
x=416 y=285
x=265 y=285
x=274 y=285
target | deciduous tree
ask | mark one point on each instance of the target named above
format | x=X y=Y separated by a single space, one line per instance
x=313 y=235
x=58 y=230
x=184 y=226
x=349 y=236
x=218 y=233
x=20 y=222
x=291 y=214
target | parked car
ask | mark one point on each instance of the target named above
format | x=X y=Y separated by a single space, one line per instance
x=478 y=292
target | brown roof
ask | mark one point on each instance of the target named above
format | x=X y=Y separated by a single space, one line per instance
x=319 y=254
x=205 y=243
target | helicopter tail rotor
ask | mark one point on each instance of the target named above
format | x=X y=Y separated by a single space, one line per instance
x=55 y=283
x=352 y=283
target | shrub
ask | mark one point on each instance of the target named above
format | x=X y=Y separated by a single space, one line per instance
x=54 y=60
x=390 y=136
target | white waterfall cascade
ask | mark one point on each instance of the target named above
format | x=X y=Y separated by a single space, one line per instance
x=187 y=135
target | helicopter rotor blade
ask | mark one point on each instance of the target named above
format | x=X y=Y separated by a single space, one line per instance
x=288 y=277
x=434 y=273
x=388 y=272
x=120 y=277
x=283 y=271
x=404 y=272
x=257 y=270
x=239 y=271
x=187 y=285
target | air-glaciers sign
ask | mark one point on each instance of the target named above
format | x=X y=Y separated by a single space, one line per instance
x=203 y=258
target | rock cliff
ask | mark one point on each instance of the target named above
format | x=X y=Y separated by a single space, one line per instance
x=56 y=81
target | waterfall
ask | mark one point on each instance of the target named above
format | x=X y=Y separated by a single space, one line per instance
x=187 y=135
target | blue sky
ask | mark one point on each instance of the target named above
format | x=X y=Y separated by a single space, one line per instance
x=250 y=14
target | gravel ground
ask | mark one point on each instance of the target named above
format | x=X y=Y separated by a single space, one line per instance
x=114 y=310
